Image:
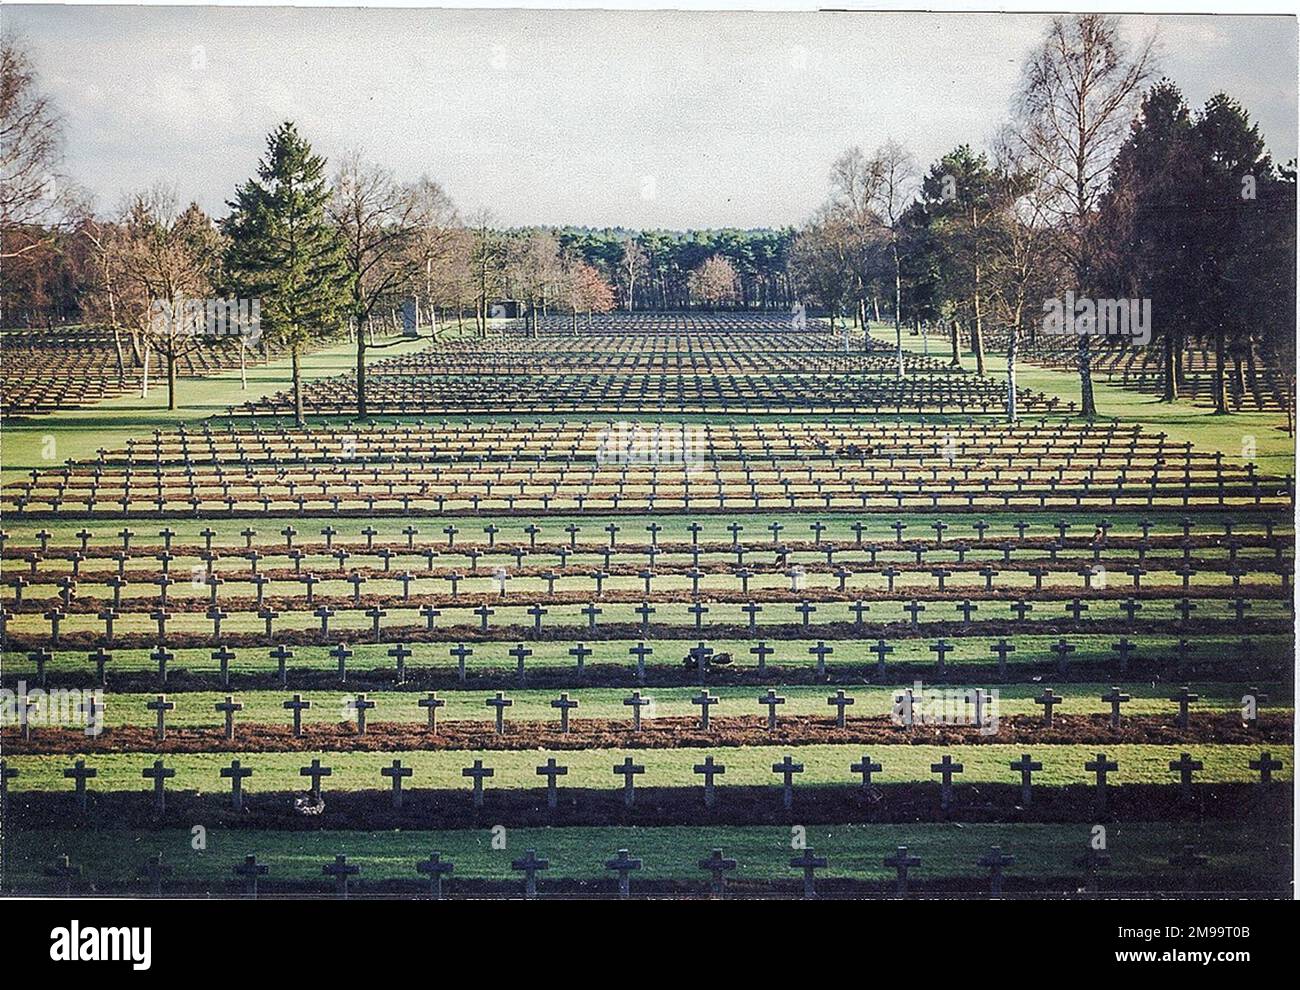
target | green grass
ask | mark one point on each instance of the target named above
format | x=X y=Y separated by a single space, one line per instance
x=632 y=534
x=48 y=441
x=749 y=765
x=194 y=709
x=1182 y=421
x=352 y=624
x=1137 y=850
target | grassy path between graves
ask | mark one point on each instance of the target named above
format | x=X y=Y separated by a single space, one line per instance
x=749 y=765
x=194 y=709
x=1139 y=853
x=787 y=656
x=1275 y=452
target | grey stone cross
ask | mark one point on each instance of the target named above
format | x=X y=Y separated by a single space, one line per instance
x=159 y=774
x=342 y=871
x=1184 y=699
x=1115 y=697
x=810 y=863
x=432 y=703
x=251 y=870
x=995 y=861
x=564 y=703
x=161 y=706
x=315 y=771
x=1100 y=767
x=500 y=702
x=529 y=865
x=395 y=772
x=1049 y=700
x=636 y=703
x=771 y=700
x=1185 y=766
x=80 y=773
x=841 y=701
x=297 y=704
x=228 y=708
x=1265 y=765
x=946 y=768
x=1026 y=766
x=705 y=701
x=550 y=770
x=624 y=865
x=717 y=866
x=236 y=774
x=708 y=769
x=787 y=768
x=435 y=869
x=629 y=770
x=902 y=862
x=361 y=704
x=478 y=772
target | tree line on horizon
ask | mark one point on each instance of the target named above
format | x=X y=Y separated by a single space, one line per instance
x=1103 y=183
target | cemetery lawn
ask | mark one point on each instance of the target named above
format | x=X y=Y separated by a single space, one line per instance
x=78 y=433
x=1044 y=853
x=551 y=528
x=747 y=765
x=1182 y=420
x=194 y=709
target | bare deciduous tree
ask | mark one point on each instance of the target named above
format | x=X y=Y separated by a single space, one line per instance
x=632 y=266
x=379 y=220
x=34 y=192
x=1078 y=95
x=895 y=186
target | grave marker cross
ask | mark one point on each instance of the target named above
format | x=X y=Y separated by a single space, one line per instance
x=623 y=864
x=717 y=866
x=708 y=769
x=395 y=772
x=995 y=861
x=810 y=863
x=435 y=869
x=342 y=871
x=1026 y=765
x=787 y=768
x=629 y=772
x=902 y=862
x=529 y=865
x=297 y=704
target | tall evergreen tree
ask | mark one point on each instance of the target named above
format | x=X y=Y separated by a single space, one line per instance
x=960 y=194
x=1149 y=211
x=1233 y=166
x=284 y=252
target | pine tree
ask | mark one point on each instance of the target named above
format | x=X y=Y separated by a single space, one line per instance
x=284 y=252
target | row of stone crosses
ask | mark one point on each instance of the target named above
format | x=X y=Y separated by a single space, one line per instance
x=1184 y=607
x=584 y=493
x=977 y=700
x=435 y=869
x=817 y=529
x=1093 y=577
x=709 y=769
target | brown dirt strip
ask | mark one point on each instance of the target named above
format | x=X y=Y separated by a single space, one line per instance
x=503 y=677
x=283 y=604
x=371 y=810
x=142 y=549
x=1207 y=496
x=661 y=733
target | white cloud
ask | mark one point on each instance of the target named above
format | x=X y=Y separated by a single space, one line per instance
x=550 y=117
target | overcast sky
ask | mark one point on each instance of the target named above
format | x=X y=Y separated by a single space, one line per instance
x=675 y=120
